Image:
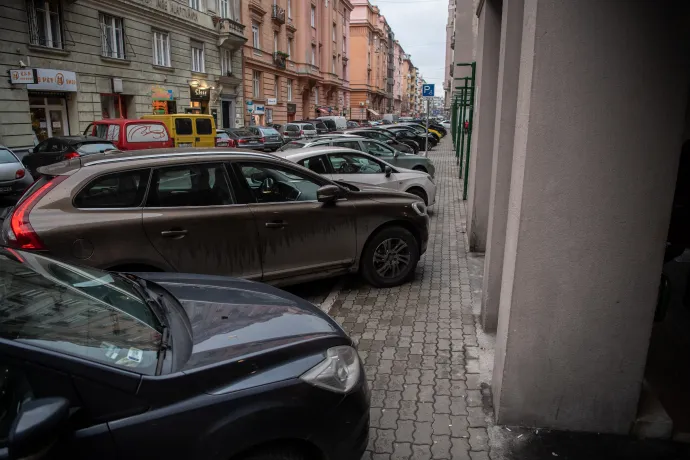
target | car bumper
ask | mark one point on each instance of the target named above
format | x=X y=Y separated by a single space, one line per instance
x=250 y=146
x=15 y=188
x=273 y=145
x=424 y=235
x=430 y=189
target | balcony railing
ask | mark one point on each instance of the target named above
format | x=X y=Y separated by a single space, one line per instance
x=278 y=14
x=231 y=33
x=279 y=59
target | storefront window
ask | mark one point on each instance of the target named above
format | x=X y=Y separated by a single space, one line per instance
x=48 y=117
x=114 y=106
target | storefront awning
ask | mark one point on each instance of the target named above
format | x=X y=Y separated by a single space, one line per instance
x=374 y=112
x=323 y=111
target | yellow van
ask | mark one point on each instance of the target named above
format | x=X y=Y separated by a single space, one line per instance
x=189 y=130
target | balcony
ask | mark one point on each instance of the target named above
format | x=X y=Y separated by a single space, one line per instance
x=452 y=41
x=231 y=33
x=278 y=14
x=451 y=70
x=280 y=59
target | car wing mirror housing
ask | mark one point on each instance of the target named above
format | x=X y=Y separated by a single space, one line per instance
x=328 y=193
x=388 y=170
x=36 y=426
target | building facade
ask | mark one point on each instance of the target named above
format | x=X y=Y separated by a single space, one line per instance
x=398 y=54
x=450 y=47
x=80 y=61
x=295 y=59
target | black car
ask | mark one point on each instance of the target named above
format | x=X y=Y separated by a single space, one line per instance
x=421 y=128
x=242 y=138
x=408 y=132
x=107 y=365
x=433 y=124
x=57 y=149
x=320 y=126
x=402 y=144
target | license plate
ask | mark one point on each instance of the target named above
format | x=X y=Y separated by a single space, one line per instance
x=5 y=189
x=184 y=144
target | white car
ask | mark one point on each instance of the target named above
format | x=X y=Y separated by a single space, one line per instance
x=446 y=124
x=349 y=165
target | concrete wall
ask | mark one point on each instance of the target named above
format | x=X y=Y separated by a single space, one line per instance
x=589 y=207
x=502 y=161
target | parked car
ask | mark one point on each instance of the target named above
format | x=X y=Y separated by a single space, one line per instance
x=298 y=131
x=446 y=124
x=250 y=215
x=243 y=138
x=352 y=124
x=373 y=147
x=187 y=129
x=14 y=178
x=421 y=129
x=131 y=134
x=334 y=123
x=273 y=140
x=342 y=164
x=56 y=149
x=105 y=365
x=408 y=132
x=381 y=135
x=321 y=128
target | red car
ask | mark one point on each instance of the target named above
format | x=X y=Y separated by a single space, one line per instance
x=131 y=134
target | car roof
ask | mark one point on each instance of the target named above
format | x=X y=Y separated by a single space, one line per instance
x=297 y=155
x=152 y=158
x=299 y=123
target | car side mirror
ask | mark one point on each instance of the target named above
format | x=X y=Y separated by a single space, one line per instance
x=36 y=426
x=328 y=193
x=388 y=170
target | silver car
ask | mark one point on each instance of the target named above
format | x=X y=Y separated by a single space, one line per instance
x=14 y=177
x=298 y=131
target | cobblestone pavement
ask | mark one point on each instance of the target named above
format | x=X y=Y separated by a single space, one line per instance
x=419 y=344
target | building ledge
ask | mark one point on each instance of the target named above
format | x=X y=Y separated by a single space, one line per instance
x=49 y=50
x=116 y=60
x=163 y=68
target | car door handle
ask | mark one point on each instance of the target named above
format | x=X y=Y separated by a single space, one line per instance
x=276 y=224
x=175 y=234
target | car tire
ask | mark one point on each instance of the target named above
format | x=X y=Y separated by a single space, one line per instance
x=420 y=193
x=276 y=453
x=381 y=245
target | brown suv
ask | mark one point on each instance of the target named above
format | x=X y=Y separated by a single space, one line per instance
x=221 y=212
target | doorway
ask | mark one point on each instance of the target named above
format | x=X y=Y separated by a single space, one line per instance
x=228 y=113
x=48 y=116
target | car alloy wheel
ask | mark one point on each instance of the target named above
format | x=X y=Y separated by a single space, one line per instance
x=390 y=257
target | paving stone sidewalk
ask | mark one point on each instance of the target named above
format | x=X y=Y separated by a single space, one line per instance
x=419 y=344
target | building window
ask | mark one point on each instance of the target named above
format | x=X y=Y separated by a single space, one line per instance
x=334 y=31
x=45 y=26
x=289 y=9
x=275 y=42
x=225 y=62
x=289 y=90
x=224 y=8
x=257 y=83
x=196 y=4
x=313 y=54
x=256 y=36
x=198 y=64
x=276 y=86
x=289 y=47
x=316 y=96
x=161 y=48
x=333 y=64
x=112 y=36
x=313 y=16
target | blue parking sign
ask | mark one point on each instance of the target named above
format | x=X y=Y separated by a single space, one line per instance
x=427 y=90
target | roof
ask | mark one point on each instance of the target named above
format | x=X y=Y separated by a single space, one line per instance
x=295 y=155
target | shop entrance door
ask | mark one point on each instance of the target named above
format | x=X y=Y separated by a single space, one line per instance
x=48 y=117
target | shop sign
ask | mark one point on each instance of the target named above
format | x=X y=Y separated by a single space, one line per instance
x=199 y=94
x=54 y=80
x=159 y=93
x=22 y=76
x=292 y=108
x=271 y=101
x=259 y=109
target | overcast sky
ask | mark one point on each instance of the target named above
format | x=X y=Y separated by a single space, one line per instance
x=420 y=26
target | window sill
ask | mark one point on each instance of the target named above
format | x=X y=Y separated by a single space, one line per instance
x=47 y=49
x=116 y=60
x=199 y=74
x=163 y=68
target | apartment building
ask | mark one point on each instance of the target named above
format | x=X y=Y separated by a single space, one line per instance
x=295 y=59
x=450 y=54
x=72 y=62
x=398 y=54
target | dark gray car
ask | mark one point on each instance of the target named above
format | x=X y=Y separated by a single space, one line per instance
x=273 y=140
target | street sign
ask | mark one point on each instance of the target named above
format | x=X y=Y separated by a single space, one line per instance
x=22 y=76
x=428 y=90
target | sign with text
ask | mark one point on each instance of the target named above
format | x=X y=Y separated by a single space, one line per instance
x=22 y=76
x=428 y=90
x=259 y=109
x=199 y=94
x=271 y=101
x=54 y=80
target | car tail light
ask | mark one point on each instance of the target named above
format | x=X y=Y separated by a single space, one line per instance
x=231 y=143
x=19 y=174
x=70 y=155
x=219 y=142
x=263 y=139
x=301 y=133
x=21 y=234
x=242 y=141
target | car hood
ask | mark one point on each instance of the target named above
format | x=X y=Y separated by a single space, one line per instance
x=376 y=192
x=232 y=318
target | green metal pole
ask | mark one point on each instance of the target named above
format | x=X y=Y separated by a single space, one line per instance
x=453 y=116
x=469 y=133
x=460 y=151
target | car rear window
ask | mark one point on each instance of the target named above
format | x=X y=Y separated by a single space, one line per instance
x=146 y=132
x=183 y=126
x=320 y=125
x=204 y=126
x=243 y=133
x=292 y=128
x=291 y=146
x=94 y=147
x=7 y=157
x=222 y=135
x=308 y=126
x=269 y=131
x=119 y=190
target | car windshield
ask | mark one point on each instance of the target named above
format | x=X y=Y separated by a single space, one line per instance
x=7 y=157
x=222 y=135
x=308 y=127
x=77 y=311
x=95 y=147
x=330 y=124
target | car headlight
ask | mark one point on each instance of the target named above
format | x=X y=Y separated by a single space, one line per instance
x=419 y=207
x=339 y=372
